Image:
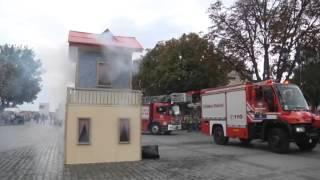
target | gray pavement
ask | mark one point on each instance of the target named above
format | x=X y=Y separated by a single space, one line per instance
x=35 y=151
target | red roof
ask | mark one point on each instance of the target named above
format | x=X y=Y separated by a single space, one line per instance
x=104 y=39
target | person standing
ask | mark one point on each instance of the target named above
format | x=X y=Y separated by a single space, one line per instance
x=189 y=123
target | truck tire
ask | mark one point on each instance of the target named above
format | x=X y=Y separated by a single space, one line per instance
x=155 y=129
x=218 y=136
x=278 y=140
x=307 y=145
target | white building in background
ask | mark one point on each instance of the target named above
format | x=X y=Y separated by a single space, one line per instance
x=234 y=78
x=44 y=108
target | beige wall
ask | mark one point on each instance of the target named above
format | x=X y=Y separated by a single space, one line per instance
x=104 y=135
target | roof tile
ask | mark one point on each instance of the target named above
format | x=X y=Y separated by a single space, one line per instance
x=76 y=37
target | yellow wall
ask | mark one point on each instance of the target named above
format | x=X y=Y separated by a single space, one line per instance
x=104 y=137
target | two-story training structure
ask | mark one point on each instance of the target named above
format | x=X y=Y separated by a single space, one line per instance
x=102 y=112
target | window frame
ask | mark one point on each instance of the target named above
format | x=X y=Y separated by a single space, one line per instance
x=119 y=131
x=97 y=75
x=274 y=104
x=165 y=112
x=78 y=131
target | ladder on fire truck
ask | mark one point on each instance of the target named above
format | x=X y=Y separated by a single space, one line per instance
x=173 y=98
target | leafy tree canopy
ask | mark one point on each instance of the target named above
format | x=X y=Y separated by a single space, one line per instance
x=265 y=35
x=180 y=65
x=307 y=74
x=19 y=75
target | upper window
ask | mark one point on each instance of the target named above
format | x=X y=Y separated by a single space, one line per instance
x=103 y=79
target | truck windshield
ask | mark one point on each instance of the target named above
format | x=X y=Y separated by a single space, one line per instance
x=291 y=97
x=176 y=110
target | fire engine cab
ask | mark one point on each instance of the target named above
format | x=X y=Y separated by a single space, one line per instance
x=274 y=112
x=160 y=114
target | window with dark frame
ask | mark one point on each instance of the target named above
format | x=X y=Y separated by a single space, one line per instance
x=84 y=131
x=162 y=110
x=269 y=98
x=103 y=79
x=124 y=130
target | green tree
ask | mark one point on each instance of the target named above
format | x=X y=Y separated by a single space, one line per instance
x=19 y=75
x=265 y=34
x=179 y=65
x=307 y=74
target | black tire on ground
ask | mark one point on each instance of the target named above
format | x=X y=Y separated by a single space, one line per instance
x=155 y=129
x=278 y=140
x=307 y=144
x=150 y=152
x=218 y=136
x=245 y=142
x=167 y=132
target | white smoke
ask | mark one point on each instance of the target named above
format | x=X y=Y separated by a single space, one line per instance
x=59 y=72
x=116 y=56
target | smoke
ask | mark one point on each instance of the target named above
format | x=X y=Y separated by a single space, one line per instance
x=121 y=64
x=59 y=72
x=105 y=38
x=118 y=58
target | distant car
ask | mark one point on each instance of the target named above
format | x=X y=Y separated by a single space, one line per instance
x=8 y=117
x=2 y=119
x=12 y=116
x=19 y=119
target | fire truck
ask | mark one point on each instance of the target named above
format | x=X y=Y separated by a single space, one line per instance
x=161 y=114
x=274 y=112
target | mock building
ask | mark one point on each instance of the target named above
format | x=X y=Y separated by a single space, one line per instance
x=103 y=113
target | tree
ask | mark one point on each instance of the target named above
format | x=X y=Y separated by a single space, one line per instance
x=179 y=65
x=310 y=83
x=19 y=75
x=307 y=75
x=265 y=34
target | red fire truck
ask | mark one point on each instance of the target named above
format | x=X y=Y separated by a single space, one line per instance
x=274 y=112
x=160 y=117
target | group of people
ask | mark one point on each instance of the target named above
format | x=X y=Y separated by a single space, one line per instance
x=192 y=124
x=47 y=119
x=191 y=121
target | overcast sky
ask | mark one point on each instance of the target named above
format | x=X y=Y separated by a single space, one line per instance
x=44 y=25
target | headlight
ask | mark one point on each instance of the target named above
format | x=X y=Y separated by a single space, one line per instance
x=300 y=129
x=164 y=123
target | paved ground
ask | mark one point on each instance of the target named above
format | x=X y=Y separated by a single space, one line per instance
x=35 y=152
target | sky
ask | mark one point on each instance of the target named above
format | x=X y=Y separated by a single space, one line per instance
x=44 y=25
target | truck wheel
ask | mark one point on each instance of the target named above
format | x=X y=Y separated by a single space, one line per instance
x=245 y=142
x=307 y=145
x=218 y=136
x=155 y=129
x=278 y=140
